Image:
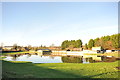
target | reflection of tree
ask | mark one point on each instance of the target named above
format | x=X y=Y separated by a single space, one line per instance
x=46 y=53
x=77 y=59
x=36 y=54
x=71 y=59
x=28 y=55
x=14 y=57
x=108 y=59
x=89 y=59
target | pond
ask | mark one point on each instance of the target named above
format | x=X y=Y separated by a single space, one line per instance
x=36 y=58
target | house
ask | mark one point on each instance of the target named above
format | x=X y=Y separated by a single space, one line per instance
x=96 y=48
x=44 y=51
x=108 y=51
x=75 y=49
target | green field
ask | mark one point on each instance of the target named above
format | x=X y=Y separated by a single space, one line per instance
x=21 y=69
x=18 y=69
x=19 y=52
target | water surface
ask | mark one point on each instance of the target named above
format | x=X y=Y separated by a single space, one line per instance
x=37 y=58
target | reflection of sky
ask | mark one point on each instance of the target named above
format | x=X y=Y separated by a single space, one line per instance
x=9 y=58
x=36 y=59
x=56 y=59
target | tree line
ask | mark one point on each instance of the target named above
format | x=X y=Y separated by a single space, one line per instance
x=106 y=42
x=71 y=44
x=26 y=48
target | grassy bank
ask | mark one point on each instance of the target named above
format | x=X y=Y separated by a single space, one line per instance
x=19 y=52
x=19 y=69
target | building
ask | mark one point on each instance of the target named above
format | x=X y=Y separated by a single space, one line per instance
x=108 y=51
x=96 y=48
x=44 y=51
x=75 y=49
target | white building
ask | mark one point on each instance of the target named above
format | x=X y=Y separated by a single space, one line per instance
x=96 y=48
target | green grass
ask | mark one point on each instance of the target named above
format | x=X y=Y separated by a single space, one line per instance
x=20 y=69
x=19 y=52
x=2 y=57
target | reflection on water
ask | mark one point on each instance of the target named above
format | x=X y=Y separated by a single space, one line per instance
x=71 y=59
x=77 y=59
x=34 y=58
x=38 y=58
x=87 y=59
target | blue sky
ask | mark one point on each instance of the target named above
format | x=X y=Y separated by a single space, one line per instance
x=46 y=23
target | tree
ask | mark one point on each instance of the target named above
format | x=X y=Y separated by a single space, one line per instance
x=108 y=42
x=78 y=43
x=15 y=46
x=64 y=44
x=71 y=47
x=52 y=45
x=105 y=38
x=41 y=46
x=108 y=45
x=91 y=43
x=71 y=44
x=29 y=47
x=115 y=40
x=96 y=42
x=86 y=46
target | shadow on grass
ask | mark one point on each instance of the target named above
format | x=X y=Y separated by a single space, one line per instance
x=29 y=70
x=106 y=76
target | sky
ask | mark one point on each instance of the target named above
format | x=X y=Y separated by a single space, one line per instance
x=47 y=23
